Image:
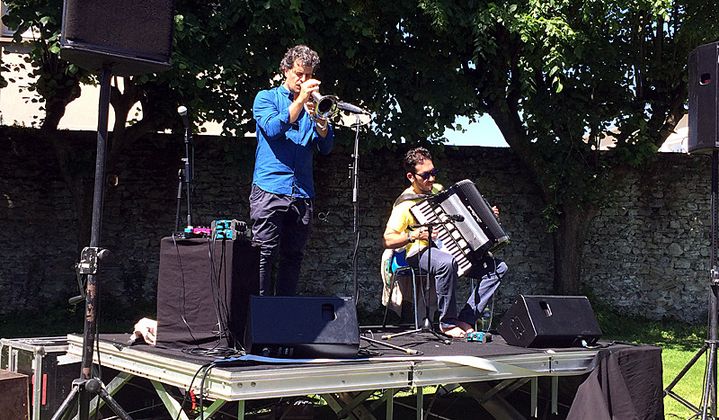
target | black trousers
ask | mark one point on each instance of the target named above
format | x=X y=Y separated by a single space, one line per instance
x=280 y=223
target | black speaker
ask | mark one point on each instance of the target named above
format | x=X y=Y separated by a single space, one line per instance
x=550 y=321
x=703 y=96
x=131 y=36
x=302 y=326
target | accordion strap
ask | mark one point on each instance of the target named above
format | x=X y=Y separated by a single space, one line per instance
x=409 y=197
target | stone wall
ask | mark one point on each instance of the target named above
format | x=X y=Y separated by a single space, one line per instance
x=648 y=250
x=647 y=253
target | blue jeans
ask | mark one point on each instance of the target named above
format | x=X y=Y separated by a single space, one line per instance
x=280 y=222
x=444 y=269
x=489 y=272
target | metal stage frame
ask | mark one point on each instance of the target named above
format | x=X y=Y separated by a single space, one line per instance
x=344 y=385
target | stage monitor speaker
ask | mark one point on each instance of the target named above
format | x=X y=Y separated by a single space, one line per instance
x=703 y=97
x=302 y=327
x=129 y=37
x=550 y=321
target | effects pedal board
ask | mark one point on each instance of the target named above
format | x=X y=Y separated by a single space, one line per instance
x=226 y=229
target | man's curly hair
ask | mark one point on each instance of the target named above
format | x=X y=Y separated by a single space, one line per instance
x=415 y=156
x=303 y=53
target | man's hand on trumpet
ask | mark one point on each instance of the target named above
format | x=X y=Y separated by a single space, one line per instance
x=306 y=89
x=305 y=97
x=321 y=124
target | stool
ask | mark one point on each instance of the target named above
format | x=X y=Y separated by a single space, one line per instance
x=400 y=267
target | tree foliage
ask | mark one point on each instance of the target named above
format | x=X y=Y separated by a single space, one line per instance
x=56 y=81
x=559 y=76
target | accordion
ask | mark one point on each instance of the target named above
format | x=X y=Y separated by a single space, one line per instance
x=466 y=225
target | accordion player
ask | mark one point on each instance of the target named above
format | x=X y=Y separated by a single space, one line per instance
x=466 y=226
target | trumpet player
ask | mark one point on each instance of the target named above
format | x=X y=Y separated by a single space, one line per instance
x=281 y=199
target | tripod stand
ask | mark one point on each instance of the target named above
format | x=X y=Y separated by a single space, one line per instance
x=87 y=386
x=708 y=409
x=426 y=325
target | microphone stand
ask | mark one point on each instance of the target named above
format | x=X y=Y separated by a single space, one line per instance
x=426 y=326
x=185 y=177
x=354 y=176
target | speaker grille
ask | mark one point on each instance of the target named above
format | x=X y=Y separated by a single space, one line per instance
x=131 y=36
x=703 y=99
x=302 y=326
x=550 y=321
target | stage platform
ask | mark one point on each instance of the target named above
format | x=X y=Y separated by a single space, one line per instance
x=486 y=370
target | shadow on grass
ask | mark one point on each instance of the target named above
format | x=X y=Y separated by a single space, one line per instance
x=667 y=334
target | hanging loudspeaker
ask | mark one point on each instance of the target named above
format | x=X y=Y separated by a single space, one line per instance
x=550 y=321
x=130 y=37
x=703 y=95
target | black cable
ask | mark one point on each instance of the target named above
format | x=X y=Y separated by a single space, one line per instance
x=213 y=352
x=179 y=199
x=182 y=289
x=189 y=389
x=221 y=279
x=196 y=350
x=202 y=390
x=97 y=347
x=224 y=282
x=215 y=289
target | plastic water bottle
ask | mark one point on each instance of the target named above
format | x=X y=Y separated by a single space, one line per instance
x=485 y=321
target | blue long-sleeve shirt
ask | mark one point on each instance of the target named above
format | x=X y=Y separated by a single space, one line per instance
x=283 y=160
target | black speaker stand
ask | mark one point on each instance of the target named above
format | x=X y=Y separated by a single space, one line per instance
x=708 y=409
x=86 y=386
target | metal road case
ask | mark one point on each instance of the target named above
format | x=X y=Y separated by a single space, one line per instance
x=44 y=360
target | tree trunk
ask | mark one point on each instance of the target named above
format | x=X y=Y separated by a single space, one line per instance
x=568 y=242
x=56 y=106
x=80 y=184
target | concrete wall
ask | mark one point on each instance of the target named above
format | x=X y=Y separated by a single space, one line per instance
x=647 y=253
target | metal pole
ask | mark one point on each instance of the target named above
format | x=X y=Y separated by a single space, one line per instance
x=709 y=397
x=86 y=386
x=355 y=207
x=96 y=226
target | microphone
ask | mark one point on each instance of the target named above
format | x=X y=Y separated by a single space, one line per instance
x=452 y=217
x=182 y=110
x=350 y=108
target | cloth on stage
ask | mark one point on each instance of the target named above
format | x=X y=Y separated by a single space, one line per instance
x=146 y=329
x=626 y=384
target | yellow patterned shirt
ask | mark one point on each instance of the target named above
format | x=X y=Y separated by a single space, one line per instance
x=401 y=219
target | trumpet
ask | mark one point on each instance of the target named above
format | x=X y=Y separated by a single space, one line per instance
x=323 y=106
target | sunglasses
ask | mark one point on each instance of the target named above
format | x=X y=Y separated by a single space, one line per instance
x=426 y=175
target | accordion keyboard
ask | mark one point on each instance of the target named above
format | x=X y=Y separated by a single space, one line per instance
x=448 y=236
